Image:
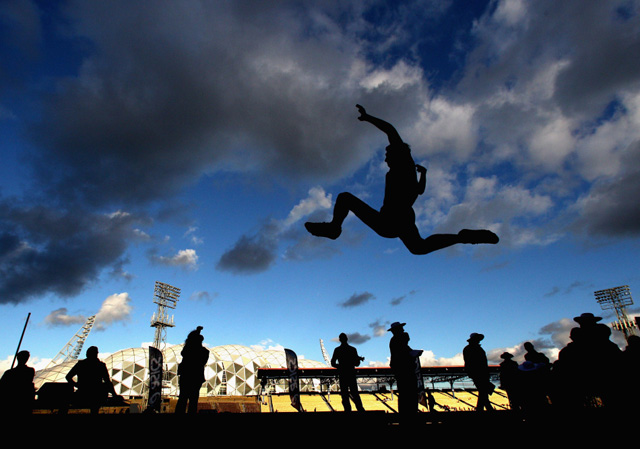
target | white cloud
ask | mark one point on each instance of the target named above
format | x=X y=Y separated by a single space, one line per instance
x=317 y=199
x=186 y=258
x=115 y=308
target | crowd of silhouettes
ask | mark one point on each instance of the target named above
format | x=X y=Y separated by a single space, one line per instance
x=590 y=371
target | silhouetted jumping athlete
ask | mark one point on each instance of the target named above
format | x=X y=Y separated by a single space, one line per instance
x=396 y=218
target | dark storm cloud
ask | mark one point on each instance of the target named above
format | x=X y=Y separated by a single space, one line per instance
x=357 y=299
x=175 y=90
x=356 y=338
x=44 y=250
x=250 y=254
x=611 y=207
x=165 y=92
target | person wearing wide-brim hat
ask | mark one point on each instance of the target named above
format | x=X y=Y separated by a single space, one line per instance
x=403 y=366
x=475 y=337
x=587 y=318
x=509 y=379
x=477 y=367
x=397 y=327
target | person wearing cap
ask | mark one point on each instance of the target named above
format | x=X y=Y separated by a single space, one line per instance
x=403 y=366
x=345 y=359
x=191 y=372
x=476 y=366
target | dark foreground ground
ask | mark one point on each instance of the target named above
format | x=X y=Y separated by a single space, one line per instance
x=551 y=428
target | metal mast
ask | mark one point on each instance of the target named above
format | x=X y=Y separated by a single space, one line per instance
x=324 y=353
x=166 y=297
x=618 y=298
x=72 y=350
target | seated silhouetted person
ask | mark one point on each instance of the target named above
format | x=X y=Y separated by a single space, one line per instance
x=396 y=217
x=93 y=384
x=16 y=386
x=345 y=359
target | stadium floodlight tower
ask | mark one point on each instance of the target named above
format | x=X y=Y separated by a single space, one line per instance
x=166 y=297
x=618 y=298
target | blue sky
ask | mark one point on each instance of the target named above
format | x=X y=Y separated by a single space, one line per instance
x=188 y=142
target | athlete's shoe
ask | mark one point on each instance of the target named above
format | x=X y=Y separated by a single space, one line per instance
x=327 y=230
x=474 y=236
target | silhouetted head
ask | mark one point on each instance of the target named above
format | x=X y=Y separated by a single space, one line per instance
x=396 y=153
x=92 y=352
x=475 y=338
x=195 y=336
x=397 y=327
x=528 y=346
x=506 y=355
x=343 y=337
x=22 y=357
x=587 y=319
x=575 y=333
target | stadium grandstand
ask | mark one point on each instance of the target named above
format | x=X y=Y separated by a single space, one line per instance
x=241 y=379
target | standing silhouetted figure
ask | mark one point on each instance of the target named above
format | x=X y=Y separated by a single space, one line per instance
x=396 y=218
x=93 y=384
x=191 y=372
x=477 y=367
x=16 y=386
x=345 y=359
x=603 y=358
x=403 y=366
x=509 y=379
x=631 y=365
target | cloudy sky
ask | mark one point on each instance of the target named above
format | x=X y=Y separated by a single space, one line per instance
x=188 y=142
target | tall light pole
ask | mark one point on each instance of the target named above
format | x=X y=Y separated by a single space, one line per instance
x=618 y=298
x=166 y=297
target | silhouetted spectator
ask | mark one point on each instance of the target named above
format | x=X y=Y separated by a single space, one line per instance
x=631 y=365
x=568 y=388
x=533 y=386
x=603 y=358
x=191 y=372
x=477 y=367
x=509 y=379
x=345 y=359
x=17 y=387
x=534 y=356
x=403 y=366
x=93 y=384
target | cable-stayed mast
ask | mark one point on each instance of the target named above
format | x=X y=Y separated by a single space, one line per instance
x=72 y=350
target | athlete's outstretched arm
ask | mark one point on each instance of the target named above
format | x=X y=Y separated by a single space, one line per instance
x=387 y=128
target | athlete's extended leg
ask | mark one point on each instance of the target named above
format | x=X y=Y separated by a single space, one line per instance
x=345 y=203
x=418 y=245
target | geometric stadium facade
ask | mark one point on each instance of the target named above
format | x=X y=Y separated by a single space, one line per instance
x=232 y=370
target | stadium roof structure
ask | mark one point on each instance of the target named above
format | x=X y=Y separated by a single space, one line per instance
x=230 y=371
